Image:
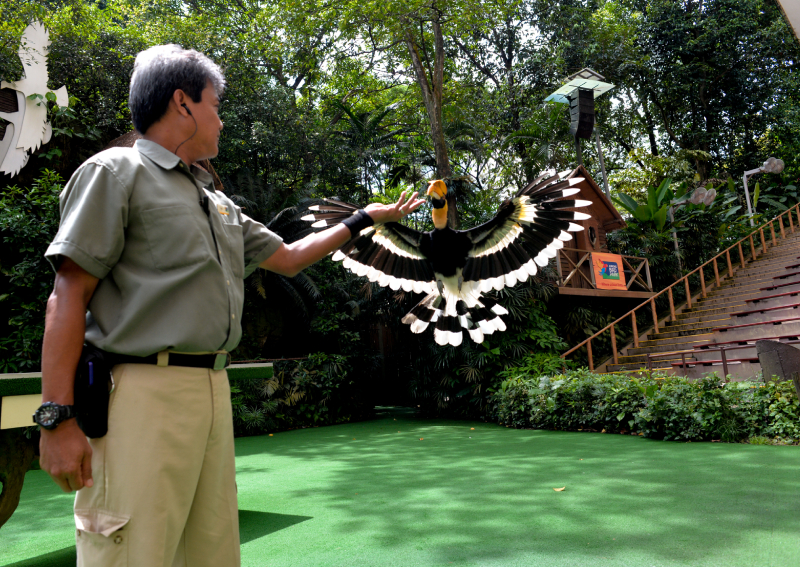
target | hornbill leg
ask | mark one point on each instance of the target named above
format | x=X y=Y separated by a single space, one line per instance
x=440 y=285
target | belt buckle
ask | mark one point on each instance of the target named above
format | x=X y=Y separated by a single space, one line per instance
x=222 y=360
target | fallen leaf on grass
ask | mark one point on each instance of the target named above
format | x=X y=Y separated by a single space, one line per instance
x=270 y=434
x=472 y=429
x=560 y=489
x=420 y=438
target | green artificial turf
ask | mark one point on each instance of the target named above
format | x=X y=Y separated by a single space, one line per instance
x=373 y=493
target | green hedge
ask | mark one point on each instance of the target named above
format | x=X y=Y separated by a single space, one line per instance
x=323 y=389
x=660 y=407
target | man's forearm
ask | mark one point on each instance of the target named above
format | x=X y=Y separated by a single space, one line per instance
x=64 y=329
x=63 y=340
x=290 y=259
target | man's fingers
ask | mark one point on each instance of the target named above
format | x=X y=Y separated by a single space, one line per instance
x=86 y=469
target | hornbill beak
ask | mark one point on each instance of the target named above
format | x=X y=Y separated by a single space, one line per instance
x=437 y=191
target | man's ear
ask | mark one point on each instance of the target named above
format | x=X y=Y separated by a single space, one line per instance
x=180 y=98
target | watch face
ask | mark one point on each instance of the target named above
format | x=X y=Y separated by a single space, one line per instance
x=47 y=415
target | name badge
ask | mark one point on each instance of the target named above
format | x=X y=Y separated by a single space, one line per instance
x=222 y=209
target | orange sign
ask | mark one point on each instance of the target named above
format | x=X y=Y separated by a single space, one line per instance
x=608 y=271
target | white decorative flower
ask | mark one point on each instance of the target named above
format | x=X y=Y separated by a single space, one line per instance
x=29 y=128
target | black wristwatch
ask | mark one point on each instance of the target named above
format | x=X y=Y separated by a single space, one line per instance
x=50 y=414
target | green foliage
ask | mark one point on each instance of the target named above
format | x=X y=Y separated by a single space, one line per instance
x=321 y=390
x=659 y=407
x=28 y=222
x=456 y=380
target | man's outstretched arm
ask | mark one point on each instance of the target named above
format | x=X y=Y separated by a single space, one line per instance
x=65 y=452
x=290 y=259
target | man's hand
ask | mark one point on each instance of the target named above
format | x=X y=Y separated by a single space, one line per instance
x=392 y=213
x=66 y=456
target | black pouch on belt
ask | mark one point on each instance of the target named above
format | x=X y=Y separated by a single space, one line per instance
x=92 y=389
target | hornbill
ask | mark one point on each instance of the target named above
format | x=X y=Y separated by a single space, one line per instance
x=454 y=268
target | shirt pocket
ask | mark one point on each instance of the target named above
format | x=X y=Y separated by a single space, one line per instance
x=235 y=239
x=174 y=237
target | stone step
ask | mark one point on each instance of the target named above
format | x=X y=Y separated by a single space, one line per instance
x=717 y=321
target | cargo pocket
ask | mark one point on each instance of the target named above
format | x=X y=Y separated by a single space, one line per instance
x=101 y=538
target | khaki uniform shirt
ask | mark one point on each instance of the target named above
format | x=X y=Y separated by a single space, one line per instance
x=171 y=275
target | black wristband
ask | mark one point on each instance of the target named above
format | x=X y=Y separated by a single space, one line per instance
x=358 y=222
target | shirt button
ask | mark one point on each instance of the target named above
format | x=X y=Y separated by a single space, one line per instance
x=228 y=282
x=219 y=251
x=233 y=316
x=118 y=539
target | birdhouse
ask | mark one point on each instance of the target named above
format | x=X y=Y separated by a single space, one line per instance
x=574 y=262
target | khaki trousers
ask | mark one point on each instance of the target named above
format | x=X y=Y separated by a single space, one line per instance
x=164 y=492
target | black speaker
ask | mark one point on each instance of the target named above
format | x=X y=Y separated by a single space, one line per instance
x=581 y=113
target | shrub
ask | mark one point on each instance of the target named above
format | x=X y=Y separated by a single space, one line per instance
x=321 y=390
x=28 y=223
x=657 y=407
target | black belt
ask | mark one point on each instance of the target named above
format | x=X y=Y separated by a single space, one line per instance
x=212 y=361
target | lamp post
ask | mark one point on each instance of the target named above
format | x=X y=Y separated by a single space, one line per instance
x=772 y=165
x=579 y=92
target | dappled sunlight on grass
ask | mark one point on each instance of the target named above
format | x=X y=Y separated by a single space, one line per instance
x=373 y=493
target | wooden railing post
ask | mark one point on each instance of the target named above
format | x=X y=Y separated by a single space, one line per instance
x=724 y=363
x=772 y=232
x=635 y=330
x=752 y=249
x=780 y=224
x=589 y=354
x=763 y=241
x=688 y=293
x=728 y=259
x=716 y=272
x=798 y=215
x=671 y=305
x=791 y=222
x=741 y=254
x=647 y=270
x=614 y=345
x=702 y=283
x=655 y=315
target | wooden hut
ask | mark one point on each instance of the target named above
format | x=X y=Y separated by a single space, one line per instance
x=574 y=262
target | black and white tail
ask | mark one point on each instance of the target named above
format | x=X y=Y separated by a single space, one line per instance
x=451 y=318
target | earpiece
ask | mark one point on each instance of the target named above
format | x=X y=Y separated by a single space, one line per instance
x=187 y=109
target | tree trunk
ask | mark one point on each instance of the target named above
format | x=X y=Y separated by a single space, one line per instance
x=432 y=97
x=16 y=454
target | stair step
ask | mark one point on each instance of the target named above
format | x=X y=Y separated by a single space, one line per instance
x=749 y=295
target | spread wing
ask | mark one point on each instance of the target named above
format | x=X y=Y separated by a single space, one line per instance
x=527 y=231
x=388 y=254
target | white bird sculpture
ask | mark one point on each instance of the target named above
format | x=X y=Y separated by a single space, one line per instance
x=29 y=128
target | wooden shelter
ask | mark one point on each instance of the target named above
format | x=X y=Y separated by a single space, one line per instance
x=574 y=265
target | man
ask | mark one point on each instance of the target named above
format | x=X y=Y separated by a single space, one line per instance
x=159 y=263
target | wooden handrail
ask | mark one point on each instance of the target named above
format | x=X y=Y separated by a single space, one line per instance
x=685 y=280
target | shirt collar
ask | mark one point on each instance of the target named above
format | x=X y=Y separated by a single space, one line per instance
x=164 y=158
x=160 y=155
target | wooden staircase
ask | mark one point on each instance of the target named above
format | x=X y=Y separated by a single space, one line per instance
x=745 y=308
x=756 y=297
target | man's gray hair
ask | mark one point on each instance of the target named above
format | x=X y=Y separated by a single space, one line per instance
x=159 y=71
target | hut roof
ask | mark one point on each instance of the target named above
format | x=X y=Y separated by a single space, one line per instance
x=603 y=208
